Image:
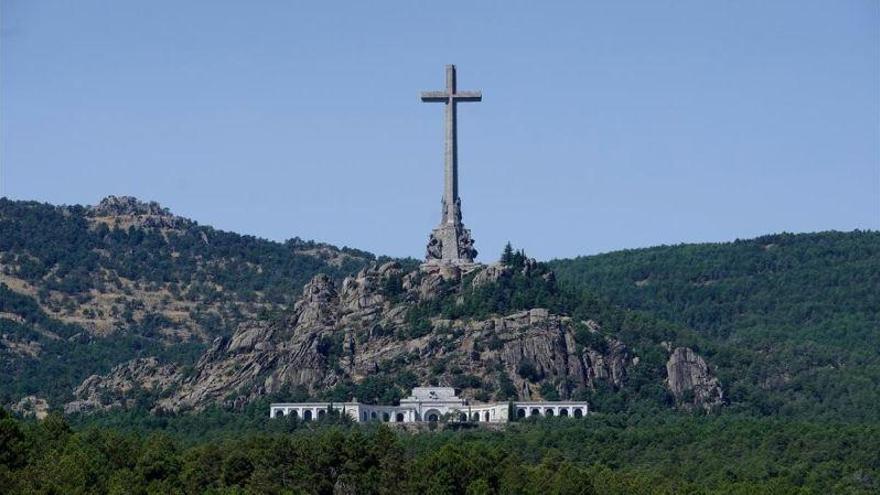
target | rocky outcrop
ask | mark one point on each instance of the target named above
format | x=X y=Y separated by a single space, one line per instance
x=690 y=381
x=121 y=388
x=31 y=406
x=264 y=357
x=128 y=210
x=363 y=327
x=491 y=274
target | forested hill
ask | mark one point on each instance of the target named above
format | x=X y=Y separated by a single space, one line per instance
x=85 y=288
x=789 y=323
x=797 y=315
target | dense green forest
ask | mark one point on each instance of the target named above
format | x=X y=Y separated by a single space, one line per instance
x=792 y=322
x=605 y=454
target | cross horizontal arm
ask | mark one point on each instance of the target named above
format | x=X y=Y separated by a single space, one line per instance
x=435 y=96
x=468 y=96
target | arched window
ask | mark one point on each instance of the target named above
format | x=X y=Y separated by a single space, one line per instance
x=563 y=412
x=279 y=413
x=475 y=417
x=294 y=413
x=536 y=412
x=307 y=415
x=578 y=413
x=385 y=417
x=548 y=412
x=365 y=415
x=462 y=417
x=373 y=415
x=321 y=413
x=399 y=418
x=433 y=417
x=520 y=413
x=486 y=416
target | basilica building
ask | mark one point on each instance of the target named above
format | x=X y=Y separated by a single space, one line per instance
x=432 y=404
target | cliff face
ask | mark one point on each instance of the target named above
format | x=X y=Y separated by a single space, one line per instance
x=343 y=335
x=690 y=381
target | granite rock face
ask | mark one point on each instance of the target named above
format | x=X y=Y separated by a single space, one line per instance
x=360 y=328
x=690 y=381
x=119 y=387
x=262 y=357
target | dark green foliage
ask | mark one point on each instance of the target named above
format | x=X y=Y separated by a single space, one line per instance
x=528 y=371
x=506 y=388
x=789 y=321
x=463 y=381
x=610 y=454
x=549 y=392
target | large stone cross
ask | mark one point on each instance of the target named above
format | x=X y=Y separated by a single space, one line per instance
x=451 y=97
x=451 y=241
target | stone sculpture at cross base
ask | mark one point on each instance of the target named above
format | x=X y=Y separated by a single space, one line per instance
x=450 y=242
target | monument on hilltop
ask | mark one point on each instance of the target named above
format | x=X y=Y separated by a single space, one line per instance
x=451 y=242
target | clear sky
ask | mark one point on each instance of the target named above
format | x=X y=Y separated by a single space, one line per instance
x=604 y=125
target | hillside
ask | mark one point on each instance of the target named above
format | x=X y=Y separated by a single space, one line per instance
x=126 y=305
x=502 y=331
x=83 y=289
x=793 y=320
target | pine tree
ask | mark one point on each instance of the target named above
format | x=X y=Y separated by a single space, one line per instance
x=507 y=255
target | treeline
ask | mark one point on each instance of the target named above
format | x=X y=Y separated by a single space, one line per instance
x=598 y=455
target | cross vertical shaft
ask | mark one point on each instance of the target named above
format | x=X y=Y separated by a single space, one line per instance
x=450 y=190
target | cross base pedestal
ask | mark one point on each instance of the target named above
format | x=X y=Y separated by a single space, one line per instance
x=451 y=243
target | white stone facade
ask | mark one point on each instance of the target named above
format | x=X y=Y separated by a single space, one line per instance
x=432 y=404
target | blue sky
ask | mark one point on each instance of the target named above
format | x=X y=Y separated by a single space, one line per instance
x=604 y=125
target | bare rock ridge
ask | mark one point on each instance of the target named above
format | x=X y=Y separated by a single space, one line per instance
x=128 y=210
x=120 y=387
x=339 y=334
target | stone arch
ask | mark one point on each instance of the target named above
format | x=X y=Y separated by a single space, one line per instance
x=475 y=417
x=462 y=417
x=373 y=415
x=578 y=412
x=307 y=415
x=385 y=417
x=321 y=413
x=433 y=415
x=279 y=413
x=563 y=412
x=294 y=413
x=520 y=413
x=364 y=415
x=548 y=412
x=535 y=412
x=399 y=418
x=486 y=416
